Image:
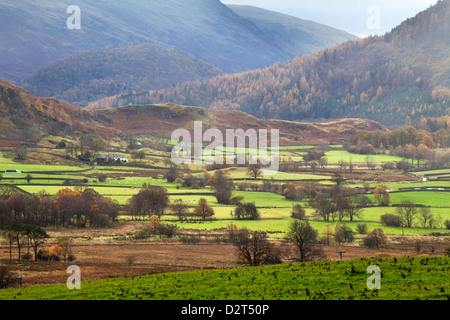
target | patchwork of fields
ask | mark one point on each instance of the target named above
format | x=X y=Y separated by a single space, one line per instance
x=307 y=281
x=274 y=208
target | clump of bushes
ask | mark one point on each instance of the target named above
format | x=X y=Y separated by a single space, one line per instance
x=102 y=177
x=154 y=228
x=247 y=211
x=361 y=228
x=447 y=224
x=298 y=212
x=6 y=278
x=237 y=199
x=375 y=239
x=391 y=220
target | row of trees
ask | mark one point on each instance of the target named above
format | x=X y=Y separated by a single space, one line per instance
x=412 y=141
x=20 y=235
x=154 y=200
x=255 y=248
x=399 y=137
x=68 y=208
x=408 y=215
x=339 y=204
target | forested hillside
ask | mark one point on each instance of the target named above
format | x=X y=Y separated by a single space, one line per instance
x=403 y=73
x=95 y=74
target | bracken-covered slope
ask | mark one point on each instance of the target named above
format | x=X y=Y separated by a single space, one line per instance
x=405 y=73
x=24 y=118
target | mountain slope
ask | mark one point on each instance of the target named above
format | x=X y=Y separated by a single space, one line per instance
x=35 y=34
x=27 y=118
x=403 y=73
x=24 y=118
x=294 y=35
x=94 y=74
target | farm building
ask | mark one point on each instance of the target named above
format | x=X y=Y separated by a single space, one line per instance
x=13 y=171
x=110 y=158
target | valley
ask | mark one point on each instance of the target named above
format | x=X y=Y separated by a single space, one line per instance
x=118 y=250
x=196 y=150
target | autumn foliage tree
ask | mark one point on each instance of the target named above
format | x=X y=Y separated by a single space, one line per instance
x=68 y=208
x=53 y=252
x=66 y=249
x=203 y=210
x=254 y=170
x=150 y=200
x=293 y=192
x=381 y=196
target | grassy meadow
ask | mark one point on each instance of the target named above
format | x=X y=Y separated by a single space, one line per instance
x=425 y=278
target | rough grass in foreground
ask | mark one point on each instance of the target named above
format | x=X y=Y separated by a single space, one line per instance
x=401 y=279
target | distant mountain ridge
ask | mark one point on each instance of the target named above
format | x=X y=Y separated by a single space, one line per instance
x=34 y=33
x=296 y=36
x=405 y=73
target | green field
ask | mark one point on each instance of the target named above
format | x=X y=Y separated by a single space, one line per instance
x=433 y=172
x=9 y=164
x=402 y=279
x=427 y=198
x=335 y=156
x=407 y=184
x=241 y=173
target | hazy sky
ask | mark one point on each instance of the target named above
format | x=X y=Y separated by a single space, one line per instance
x=359 y=17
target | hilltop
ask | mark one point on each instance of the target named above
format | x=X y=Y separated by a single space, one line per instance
x=403 y=73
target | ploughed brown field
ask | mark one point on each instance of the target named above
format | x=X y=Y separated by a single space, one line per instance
x=99 y=256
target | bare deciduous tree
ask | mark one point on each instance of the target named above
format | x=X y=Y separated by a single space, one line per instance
x=180 y=208
x=253 y=247
x=407 y=212
x=305 y=239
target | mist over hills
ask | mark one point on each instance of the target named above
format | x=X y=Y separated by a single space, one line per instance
x=405 y=73
x=294 y=35
x=35 y=34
